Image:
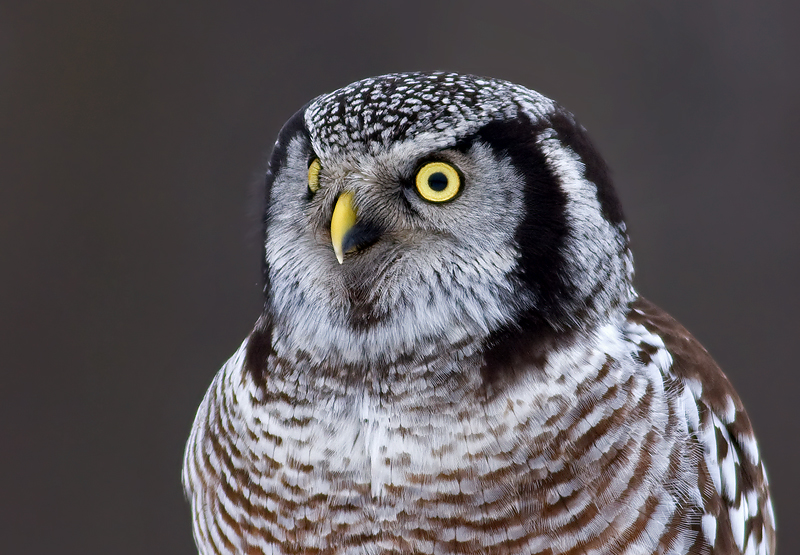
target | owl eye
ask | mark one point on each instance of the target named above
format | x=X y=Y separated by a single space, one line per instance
x=313 y=175
x=438 y=182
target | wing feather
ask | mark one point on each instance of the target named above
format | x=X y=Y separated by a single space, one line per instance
x=738 y=515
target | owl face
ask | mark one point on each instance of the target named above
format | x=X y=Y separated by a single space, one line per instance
x=412 y=210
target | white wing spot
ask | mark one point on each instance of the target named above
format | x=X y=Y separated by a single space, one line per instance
x=709 y=526
x=738 y=516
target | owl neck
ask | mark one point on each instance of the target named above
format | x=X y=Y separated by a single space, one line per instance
x=466 y=356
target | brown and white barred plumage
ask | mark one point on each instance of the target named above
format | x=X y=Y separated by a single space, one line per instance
x=604 y=428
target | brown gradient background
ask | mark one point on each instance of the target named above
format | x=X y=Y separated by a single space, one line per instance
x=133 y=137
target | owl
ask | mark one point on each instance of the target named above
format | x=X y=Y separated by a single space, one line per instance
x=452 y=357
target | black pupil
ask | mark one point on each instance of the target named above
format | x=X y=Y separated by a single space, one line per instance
x=437 y=181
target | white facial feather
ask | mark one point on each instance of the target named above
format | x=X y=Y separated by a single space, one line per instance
x=443 y=275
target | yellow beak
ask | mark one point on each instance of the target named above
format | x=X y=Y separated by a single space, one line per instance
x=343 y=219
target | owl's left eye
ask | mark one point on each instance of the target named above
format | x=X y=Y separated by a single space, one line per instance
x=438 y=182
x=313 y=175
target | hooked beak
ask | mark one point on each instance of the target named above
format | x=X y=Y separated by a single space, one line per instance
x=342 y=221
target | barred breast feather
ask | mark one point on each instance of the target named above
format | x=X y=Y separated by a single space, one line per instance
x=630 y=442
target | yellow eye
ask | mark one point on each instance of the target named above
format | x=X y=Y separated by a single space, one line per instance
x=313 y=175
x=438 y=182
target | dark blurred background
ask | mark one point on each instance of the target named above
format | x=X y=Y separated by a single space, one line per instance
x=133 y=139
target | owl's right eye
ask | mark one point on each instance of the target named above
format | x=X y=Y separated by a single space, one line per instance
x=313 y=175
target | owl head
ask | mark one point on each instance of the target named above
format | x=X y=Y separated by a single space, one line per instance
x=415 y=212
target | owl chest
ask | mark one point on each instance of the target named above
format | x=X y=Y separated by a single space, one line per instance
x=329 y=476
x=328 y=469
x=361 y=452
x=361 y=468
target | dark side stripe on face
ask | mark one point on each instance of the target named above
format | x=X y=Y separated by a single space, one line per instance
x=542 y=236
x=293 y=127
x=259 y=344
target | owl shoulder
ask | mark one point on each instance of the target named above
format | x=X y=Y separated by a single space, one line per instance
x=738 y=516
